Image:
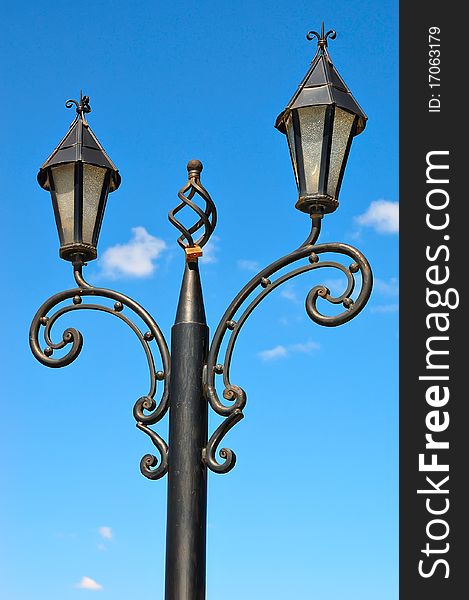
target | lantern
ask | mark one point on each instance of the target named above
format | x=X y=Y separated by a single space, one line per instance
x=79 y=176
x=320 y=122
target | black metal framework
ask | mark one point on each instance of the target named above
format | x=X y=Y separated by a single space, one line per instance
x=191 y=381
x=189 y=373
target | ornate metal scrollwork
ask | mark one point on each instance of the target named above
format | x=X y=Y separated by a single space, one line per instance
x=229 y=323
x=147 y=411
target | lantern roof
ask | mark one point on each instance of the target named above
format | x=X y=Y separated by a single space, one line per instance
x=80 y=145
x=322 y=85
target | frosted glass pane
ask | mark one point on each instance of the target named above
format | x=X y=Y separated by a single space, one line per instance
x=93 y=179
x=343 y=122
x=312 y=134
x=291 y=144
x=64 y=183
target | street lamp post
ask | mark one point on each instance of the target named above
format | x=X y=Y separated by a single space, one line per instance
x=319 y=122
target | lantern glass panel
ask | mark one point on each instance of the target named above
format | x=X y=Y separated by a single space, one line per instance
x=312 y=136
x=93 y=180
x=343 y=123
x=64 y=186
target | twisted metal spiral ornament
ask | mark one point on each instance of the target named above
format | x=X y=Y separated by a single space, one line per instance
x=207 y=217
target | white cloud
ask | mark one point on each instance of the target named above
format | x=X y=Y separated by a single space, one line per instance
x=305 y=348
x=291 y=319
x=385 y=308
x=387 y=288
x=285 y=351
x=249 y=265
x=382 y=215
x=87 y=583
x=105 y=533
x=290 y=294
x=210 y=250
x=134 y=259
x=274 y=353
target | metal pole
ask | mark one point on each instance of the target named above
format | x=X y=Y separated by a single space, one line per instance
x=187 y=475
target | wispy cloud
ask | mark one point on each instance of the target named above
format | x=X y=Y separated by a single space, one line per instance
x=385 y=308
x=249 y=265
x=274 y=353
x=136 y=258
x=291 y=319
x=290 y=294
x=387 y=288
x=210 y=250
x=86 y=583
x=382 y=215
x=304 y=348
x=105 y=532
x=281 y=351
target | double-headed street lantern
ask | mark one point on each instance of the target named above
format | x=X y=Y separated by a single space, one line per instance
x=320 y=122
x=191 y=375
x=79 y=175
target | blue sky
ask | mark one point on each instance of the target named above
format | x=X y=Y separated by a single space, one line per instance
x=310 y=511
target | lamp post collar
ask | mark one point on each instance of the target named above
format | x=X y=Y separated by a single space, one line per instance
x=322 y=85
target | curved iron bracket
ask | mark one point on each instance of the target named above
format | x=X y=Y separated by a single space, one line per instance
x=233 y=412
x=147 y=411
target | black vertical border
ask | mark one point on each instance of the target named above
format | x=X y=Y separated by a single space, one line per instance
x=421 y=132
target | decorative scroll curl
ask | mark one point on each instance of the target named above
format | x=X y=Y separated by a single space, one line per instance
x=147 y=411
x=207 y=218
x=321 y=37
x=236 y=395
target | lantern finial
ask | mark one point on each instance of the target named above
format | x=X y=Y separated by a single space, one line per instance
x=83 y=107
x=322 y=37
